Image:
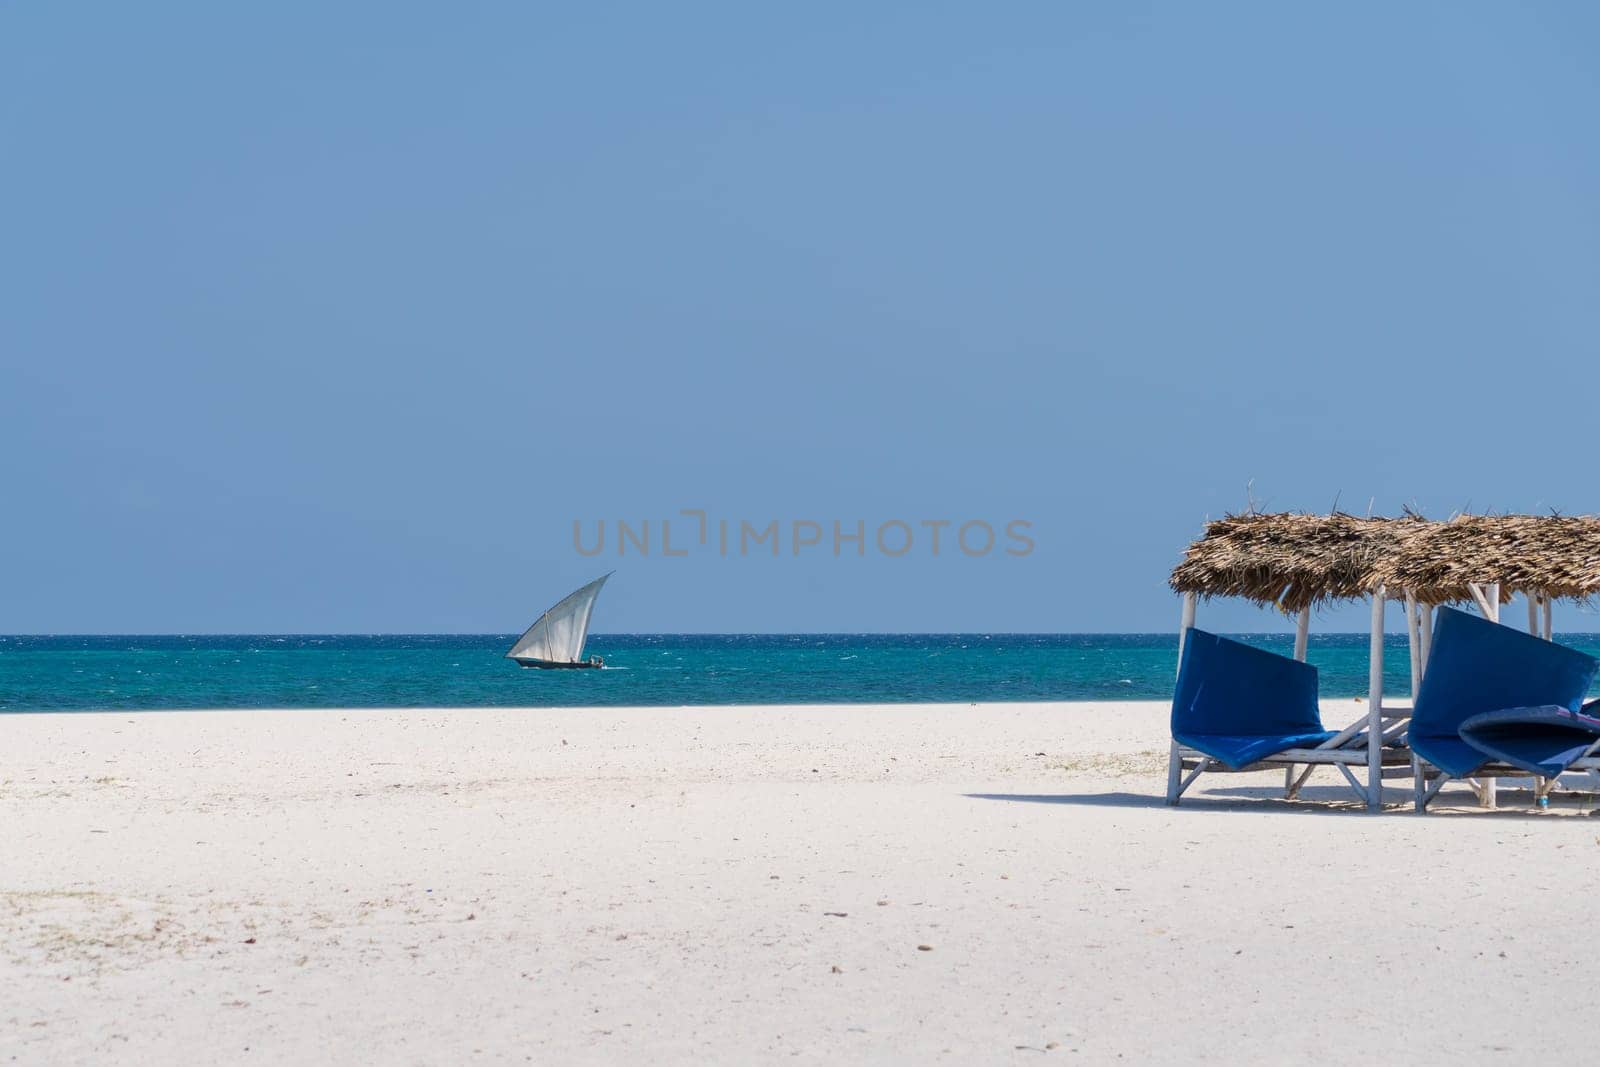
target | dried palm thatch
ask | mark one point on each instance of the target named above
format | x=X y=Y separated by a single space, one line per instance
x=1554 y=556
x=1293 y=561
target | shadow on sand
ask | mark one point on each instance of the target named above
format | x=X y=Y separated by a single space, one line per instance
x=1317 y=800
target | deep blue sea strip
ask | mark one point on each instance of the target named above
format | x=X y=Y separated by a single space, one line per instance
x=455 y=670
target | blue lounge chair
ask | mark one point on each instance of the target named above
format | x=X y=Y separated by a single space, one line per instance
x=1544 y=741
x=1236 y=706
x=1477 y=666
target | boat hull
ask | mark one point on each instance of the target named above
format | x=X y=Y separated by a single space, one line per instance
x=546 y=665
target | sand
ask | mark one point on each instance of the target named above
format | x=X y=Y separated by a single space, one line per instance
x=974 y=884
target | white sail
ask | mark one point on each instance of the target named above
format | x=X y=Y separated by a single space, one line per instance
x=559 y=634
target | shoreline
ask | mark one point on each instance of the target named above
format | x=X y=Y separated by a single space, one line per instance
x=726 y=883
x=1329 y=703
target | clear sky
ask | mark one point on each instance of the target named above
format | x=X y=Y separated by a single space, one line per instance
x=335 y=317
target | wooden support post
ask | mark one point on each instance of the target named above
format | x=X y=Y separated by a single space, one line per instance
x=1487 y=790
x=1427 y=634
x=1533 y=614
x=1302 y=633
x=1549 y=633
x=1375 y=705
x=1414 y=640
x=1174 y=773
x=1185 y=620
x=1174 y=757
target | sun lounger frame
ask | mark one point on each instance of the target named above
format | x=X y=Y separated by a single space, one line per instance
x=1348 y=749
x=1427 y=780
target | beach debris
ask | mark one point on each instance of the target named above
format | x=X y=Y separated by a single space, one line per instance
x=837 y=969
x=883 y=903
x=837 y=914
x=471 y=915
x=924 y=948
x=248 y=941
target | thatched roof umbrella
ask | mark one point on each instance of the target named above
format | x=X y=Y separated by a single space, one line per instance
x=1558 y=556
x=1543 y=556
x=1292 y=561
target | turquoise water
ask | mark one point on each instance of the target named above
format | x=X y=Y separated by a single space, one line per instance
x=257 y=671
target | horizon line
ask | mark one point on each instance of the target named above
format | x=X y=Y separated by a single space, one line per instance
x=717 y=633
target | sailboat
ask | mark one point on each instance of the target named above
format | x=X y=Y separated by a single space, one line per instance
x=556 y=638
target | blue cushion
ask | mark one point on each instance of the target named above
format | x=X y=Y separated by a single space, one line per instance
x=1238 y=751
x=1543 y=741
x=1477 y=666
x=1239 y=704
x=1451 y=755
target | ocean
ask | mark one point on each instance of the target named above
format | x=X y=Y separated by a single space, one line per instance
x=469 y=670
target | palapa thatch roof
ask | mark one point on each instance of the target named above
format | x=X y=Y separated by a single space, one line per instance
x=1292 y=560
x=1556 y=556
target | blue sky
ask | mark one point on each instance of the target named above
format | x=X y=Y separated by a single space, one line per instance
x=336 y=317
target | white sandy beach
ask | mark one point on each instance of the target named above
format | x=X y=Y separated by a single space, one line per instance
x=737 y=885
